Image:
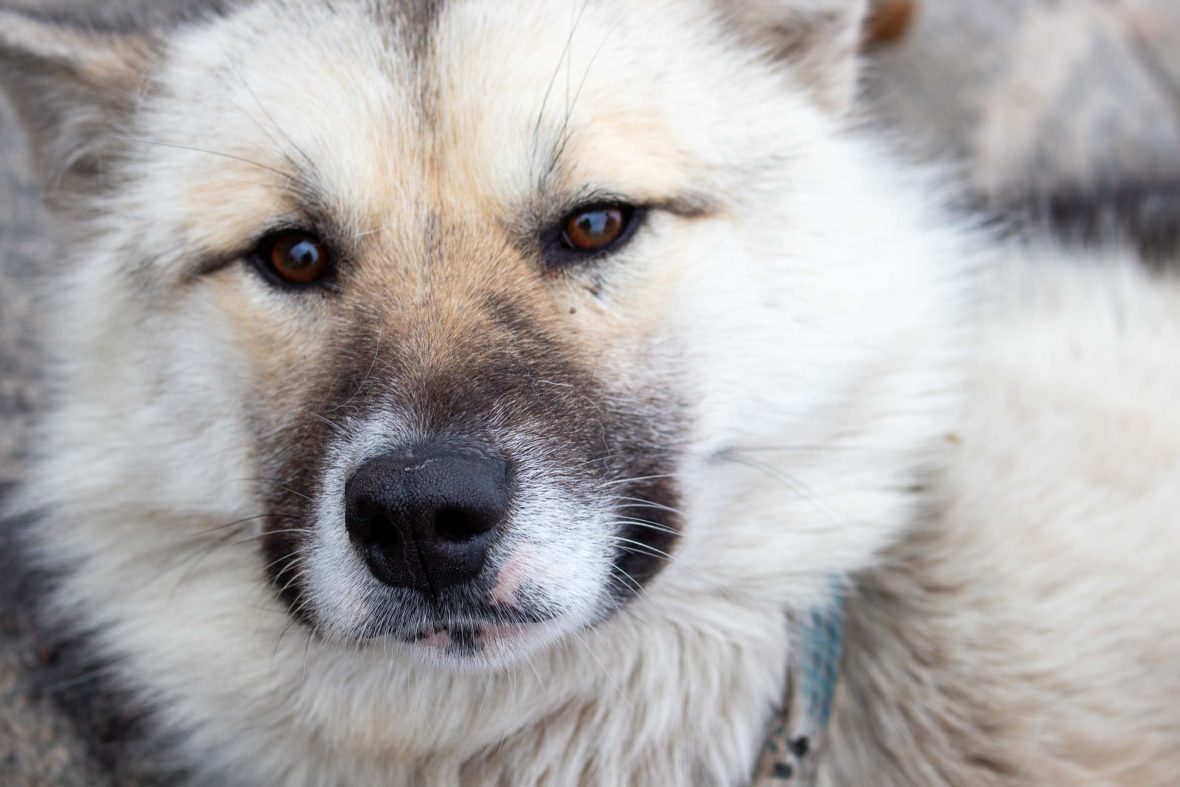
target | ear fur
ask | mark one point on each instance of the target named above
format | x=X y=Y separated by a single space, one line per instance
x=72 y=89
x=819 y=39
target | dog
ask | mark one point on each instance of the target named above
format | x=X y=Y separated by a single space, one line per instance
x=482 y=392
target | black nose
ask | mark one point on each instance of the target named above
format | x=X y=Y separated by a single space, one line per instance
x=426 y=521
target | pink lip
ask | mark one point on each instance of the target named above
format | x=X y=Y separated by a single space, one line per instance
x=439 y=639
x=508 y=584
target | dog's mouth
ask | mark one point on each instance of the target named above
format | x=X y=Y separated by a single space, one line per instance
x=466 y=638
x=463 y=631
x=475 y=644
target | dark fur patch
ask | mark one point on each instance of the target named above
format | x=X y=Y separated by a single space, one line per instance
x=415 y=20
x=1141 y=215
x=1145 y=214
x=99 y=728
x=412 y=24
x=131 y=18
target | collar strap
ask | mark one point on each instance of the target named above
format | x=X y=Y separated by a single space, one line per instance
x=796 y=737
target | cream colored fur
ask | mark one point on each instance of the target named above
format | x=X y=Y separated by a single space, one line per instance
x=979 y=437
x=1024 y=632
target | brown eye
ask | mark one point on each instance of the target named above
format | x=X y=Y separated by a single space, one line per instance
x=595 y=229
x=296 y=257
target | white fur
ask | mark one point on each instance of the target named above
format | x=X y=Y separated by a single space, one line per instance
x=823 y=320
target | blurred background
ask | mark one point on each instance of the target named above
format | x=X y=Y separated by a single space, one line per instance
x=1059 y=111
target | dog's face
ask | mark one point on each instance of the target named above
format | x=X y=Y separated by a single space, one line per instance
x=478 y=318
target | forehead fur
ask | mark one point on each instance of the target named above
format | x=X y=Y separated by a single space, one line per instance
x=379 y=119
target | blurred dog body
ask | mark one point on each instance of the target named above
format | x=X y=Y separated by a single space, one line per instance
x=710 y=349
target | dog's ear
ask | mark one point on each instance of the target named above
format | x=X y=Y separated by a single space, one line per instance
x=818 y=38
x=73 y=89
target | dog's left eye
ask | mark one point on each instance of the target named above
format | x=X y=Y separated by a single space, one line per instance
x=590 y=231
x=296 y=257
x=595 y=229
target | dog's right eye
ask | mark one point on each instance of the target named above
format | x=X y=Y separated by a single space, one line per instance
x=295 y=257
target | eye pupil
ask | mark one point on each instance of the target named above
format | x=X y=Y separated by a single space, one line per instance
x=596 y=224
x=297 y=257
x=303 y=254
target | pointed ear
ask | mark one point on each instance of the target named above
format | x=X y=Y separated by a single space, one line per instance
x=72 y=89
x=819 y=39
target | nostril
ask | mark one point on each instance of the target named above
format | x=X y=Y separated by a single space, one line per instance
x=368 y=522
x=379 y=530
x=457 y=525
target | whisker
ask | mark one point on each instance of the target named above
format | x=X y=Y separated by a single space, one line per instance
x=576 y=20
x=620 y=481
x=651 y=551
x=256 y=536
x=368 y=374
x=237 y=522
x=633 y=584
x=638 y=502
x=610 y=677
x=218 y=153
x=643 y=523
x=339 y=429
x=278 y=128
x=289 y=490
x=801 y=490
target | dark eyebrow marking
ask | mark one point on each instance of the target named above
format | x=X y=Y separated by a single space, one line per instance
x=532 y=229
x=687 y=206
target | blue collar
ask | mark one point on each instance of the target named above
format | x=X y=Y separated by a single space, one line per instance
x=796 y=736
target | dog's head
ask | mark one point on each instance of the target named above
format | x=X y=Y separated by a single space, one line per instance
x=477 y=320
